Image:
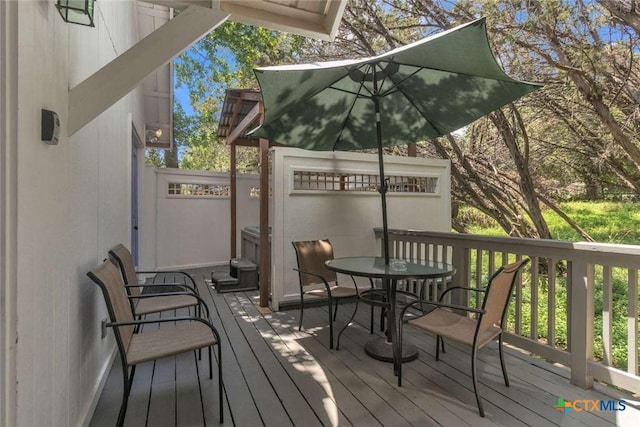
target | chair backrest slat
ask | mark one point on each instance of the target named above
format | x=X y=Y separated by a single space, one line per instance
x=108 y=277
x=311 y=257
x=125 y=261
x=498 y=292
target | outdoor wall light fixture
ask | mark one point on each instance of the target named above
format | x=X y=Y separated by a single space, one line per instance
x=76 y=11
x=153 y=135
x=50 y=127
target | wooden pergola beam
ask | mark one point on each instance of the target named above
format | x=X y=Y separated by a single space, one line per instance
x=242 y=127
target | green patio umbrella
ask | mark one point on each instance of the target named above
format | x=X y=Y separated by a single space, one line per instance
x=419 y=91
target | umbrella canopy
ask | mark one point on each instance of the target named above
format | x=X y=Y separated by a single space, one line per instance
x=419 y=91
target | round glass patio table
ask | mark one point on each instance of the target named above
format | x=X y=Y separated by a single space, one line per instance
x=398 y=269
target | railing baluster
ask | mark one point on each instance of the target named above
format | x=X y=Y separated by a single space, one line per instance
x=492 y=263
x=551 y=302
x=606 y=316
x=533 y=283
x=569 y=286
x=478 y=284
x=632 y=323
x=518 y=311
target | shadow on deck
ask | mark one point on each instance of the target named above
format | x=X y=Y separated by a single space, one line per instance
x=275 y=375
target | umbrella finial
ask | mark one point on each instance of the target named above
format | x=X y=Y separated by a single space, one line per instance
x=378 y=72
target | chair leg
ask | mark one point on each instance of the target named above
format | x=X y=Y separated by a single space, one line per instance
x=136 y=329
x=335 y=311
x=330 y=323
x=371 y=326
x=475 y=380
x=126 y=389
x=346 y=324
x=372 y=307
x=133 y=373
x=220 y=385
x=198 y=310
x=438 y=347
x=301 y=311
x=504 y=367
x=210 y=367
x=399 y=363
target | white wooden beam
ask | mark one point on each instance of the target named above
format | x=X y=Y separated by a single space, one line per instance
x=181 y=4
x=116 y=79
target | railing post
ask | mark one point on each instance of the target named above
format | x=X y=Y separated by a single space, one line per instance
x=461 y=259
x=581 y=319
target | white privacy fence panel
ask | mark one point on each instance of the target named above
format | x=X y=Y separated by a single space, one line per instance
x=186 y=217
x=318 y=195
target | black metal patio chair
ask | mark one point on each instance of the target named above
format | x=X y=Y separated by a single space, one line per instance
x=487 y=325
x=175 y=335
x=316 y=280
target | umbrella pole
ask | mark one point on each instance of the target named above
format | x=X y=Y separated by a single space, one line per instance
x=383 y=183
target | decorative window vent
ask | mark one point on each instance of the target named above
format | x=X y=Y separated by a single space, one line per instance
x=332 y=181
x=198 y=190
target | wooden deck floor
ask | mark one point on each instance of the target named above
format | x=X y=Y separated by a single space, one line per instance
x=275 y=375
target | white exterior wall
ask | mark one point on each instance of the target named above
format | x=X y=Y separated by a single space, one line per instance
x=345 y=218
x=191 y=231
x=73 y=204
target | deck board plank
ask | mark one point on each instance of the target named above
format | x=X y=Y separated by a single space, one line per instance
x=308 y=376
x=349 y=390
x=372 y=372
x=278 y=376
x=294 y=403
x=140 y=396
x=188 y=408
x=263 y=373
x=238 y=394
x=428 y=396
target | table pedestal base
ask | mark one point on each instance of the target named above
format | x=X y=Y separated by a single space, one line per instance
x=380 y=349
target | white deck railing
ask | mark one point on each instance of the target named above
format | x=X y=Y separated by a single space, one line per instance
x=584 y=285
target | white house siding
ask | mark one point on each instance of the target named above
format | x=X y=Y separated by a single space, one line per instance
x=73 y=205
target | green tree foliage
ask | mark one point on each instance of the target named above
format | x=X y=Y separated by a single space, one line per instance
x=223 y=59
x=582 y=128
x=154 y=157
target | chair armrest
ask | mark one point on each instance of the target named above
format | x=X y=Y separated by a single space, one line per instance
x=193 y=282
x=326 y=284
x=167 y=319
x=165 y=294
x=440 y=305
x=186 y=288
x=460 y=287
